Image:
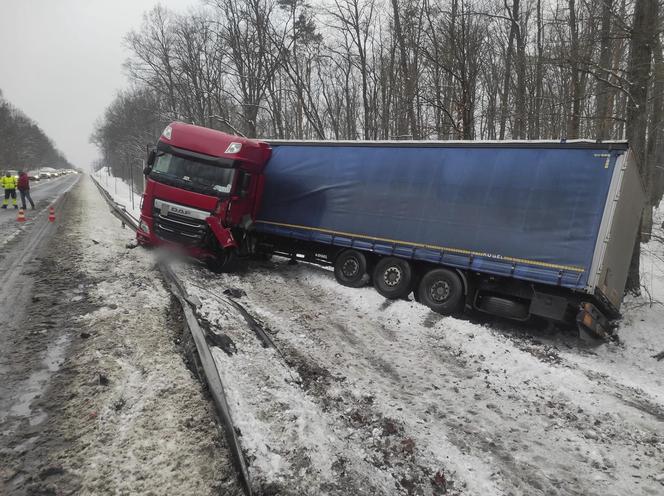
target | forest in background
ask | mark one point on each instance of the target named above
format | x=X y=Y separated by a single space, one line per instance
x=23 y=145
x=398 y=69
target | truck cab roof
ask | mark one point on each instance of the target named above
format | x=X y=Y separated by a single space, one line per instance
x=252 y=154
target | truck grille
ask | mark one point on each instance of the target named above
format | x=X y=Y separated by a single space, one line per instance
x=180 y=229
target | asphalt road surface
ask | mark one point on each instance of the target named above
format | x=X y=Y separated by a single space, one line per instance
x=43 y=193
x=20 y=246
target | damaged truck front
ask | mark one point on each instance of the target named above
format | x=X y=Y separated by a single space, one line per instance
x=201 y=193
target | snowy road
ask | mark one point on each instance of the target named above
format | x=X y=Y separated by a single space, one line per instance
x=22 y=242
x=368 y=396
x=19 y=243
x=95 y=397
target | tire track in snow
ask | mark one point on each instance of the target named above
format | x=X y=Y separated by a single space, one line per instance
x=536 y=422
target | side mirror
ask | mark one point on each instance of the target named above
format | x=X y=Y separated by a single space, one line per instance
x=152 y=156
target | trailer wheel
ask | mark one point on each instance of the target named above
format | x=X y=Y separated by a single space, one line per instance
x=441 y=290
x=350 y=269
x=393 y=277
x=504 y=307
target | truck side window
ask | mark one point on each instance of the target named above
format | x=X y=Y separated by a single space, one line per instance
x=243 y=182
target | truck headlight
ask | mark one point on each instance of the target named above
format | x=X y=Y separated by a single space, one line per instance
x=143 y=226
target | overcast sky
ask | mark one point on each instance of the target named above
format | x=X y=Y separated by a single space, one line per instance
x=61 y=62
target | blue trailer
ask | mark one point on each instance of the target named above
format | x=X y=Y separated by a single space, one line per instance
x=510 y=228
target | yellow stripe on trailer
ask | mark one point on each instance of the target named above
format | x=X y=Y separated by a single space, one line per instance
x=427 y=246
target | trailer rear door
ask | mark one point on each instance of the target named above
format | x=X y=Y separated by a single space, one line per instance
x=615 y=242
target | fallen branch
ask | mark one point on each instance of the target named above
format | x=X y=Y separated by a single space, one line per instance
x=659 y=356
x=648 y=293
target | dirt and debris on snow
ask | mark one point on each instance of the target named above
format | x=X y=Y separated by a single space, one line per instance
x=122 y=414
x=365 y=396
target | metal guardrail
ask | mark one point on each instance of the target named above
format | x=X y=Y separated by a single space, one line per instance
x=212 y=377
x=117 y=209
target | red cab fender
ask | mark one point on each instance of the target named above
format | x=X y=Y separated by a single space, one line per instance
x=223 y=235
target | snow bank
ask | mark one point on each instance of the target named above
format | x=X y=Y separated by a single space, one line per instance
x=148 y=428
x=120 y=190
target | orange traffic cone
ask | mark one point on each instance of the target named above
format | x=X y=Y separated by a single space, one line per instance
x=21 y=215
x=51 y=214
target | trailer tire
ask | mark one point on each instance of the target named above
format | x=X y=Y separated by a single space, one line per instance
x=393 y=277
x=350 y=269
x=505 y=307
x=442 y=291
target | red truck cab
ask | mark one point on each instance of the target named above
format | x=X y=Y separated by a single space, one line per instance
x=202 y=191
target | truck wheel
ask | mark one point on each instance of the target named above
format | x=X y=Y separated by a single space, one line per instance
x=441 y=290
x=350 y=269
x=392 y=277
x=225 y=261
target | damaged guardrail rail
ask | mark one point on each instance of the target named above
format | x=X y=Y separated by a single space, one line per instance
x=212 y=377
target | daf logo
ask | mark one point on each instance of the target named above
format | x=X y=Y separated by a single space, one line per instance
x=180 y=211
x=166 y=208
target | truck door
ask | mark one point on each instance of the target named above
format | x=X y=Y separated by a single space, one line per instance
x=243 y=199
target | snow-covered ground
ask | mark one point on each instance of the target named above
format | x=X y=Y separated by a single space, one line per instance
x=369 y=396
x=120 y=190
x=153 y=428
x=365 y=393
x=117 y=410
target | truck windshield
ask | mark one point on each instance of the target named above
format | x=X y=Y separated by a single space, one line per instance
x=193 y=175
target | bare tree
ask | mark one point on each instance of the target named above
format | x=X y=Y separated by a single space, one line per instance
x=643 y=35
x=407 y=75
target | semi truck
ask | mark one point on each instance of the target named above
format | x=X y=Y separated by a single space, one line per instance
x=518 y=229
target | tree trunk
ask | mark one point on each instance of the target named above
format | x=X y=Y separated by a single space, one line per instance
x=641 y=45
x=604 y=90
x=520 y=95
x=506 y=82
x=406 y=73
x=655 y=152
x=574 y=121
x=535 y=132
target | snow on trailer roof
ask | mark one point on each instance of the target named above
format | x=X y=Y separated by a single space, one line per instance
x=575 y=143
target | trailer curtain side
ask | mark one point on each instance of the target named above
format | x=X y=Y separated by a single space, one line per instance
x=531 y=212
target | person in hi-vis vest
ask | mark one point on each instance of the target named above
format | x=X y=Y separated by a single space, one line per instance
x=9 y=183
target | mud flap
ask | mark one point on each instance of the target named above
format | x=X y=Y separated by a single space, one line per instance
x=591 y=321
